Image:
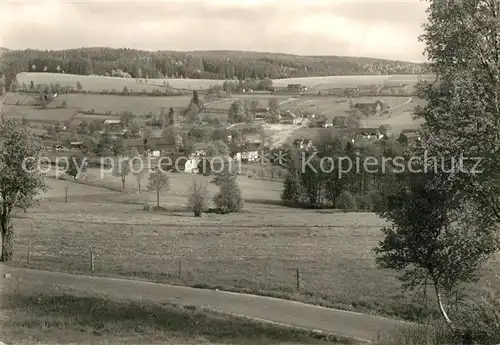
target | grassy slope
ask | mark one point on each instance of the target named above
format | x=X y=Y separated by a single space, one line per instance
x=256 y=251
x=33 y=313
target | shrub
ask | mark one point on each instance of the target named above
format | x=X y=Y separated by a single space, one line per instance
x=481 y=318
x=229 y=199
x=147 y=207
x=198 y=198
x=364 y=202
x=345 y=201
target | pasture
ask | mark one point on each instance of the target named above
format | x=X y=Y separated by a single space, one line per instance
x=255 y=251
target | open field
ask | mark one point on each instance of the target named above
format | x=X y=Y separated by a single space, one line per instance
x=98 y=83
x=324 y=83
x=33 y=313
x=256 y=251
x=47 y=115
x=118 y=104
x=262 y=99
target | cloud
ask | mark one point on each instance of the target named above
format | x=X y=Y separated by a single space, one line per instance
x=333 y=27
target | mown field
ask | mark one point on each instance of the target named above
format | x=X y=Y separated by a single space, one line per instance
x=255 y=251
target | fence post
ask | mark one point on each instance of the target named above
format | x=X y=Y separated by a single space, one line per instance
x=298 y=278
x=180 y=269
x=28 y=259
x=92 y=262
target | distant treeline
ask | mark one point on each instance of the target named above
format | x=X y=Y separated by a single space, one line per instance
x=198 y=64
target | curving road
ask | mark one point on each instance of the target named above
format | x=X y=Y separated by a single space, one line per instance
x=361 y=327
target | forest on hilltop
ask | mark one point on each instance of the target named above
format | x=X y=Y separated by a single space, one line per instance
x=197 y=64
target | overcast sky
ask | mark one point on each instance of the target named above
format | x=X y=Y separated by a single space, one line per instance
x=385 y=29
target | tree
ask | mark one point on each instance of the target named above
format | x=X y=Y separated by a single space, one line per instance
x=435 y=238
x=76 y=165
x=345 y=201
x=126 y=117
x=199 y=198
x=254 y=104
x=221 y=147
x=134 y=127
x=462 y=111
x=236 y=112
x=20 y=177
x=292 y=189
x=158 y=181
x=118 y=146
x=138 y=169
x=122 y=169
x=79 y=86
x=171 y=117
x=229 y=198
x=195 y=99
x=273 y=105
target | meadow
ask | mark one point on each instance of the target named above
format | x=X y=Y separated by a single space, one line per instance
x=140 y=105
x=98 y=83
x=257 y=251
x=33 y=313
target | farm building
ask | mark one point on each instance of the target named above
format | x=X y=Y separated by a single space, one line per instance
x=390 y=89
x=371 y=108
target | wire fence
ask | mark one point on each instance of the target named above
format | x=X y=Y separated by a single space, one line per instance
x=229 y=272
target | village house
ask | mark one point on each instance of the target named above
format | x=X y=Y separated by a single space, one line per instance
x=368 y=133
x=290 y=118
x=156 y=146
x=410 y=134
x=386 y=130
x=249 y=153
x=76 y=145
x=303 y=144
x=261 y=114
x=113 y=126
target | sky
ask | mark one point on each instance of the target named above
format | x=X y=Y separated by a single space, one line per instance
x=371 y=28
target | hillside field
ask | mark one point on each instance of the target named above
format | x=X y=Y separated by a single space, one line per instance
x=98 y=83
x=256 y=251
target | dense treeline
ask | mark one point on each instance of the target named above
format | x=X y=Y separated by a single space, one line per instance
x=198 y=64
x=341 y=174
